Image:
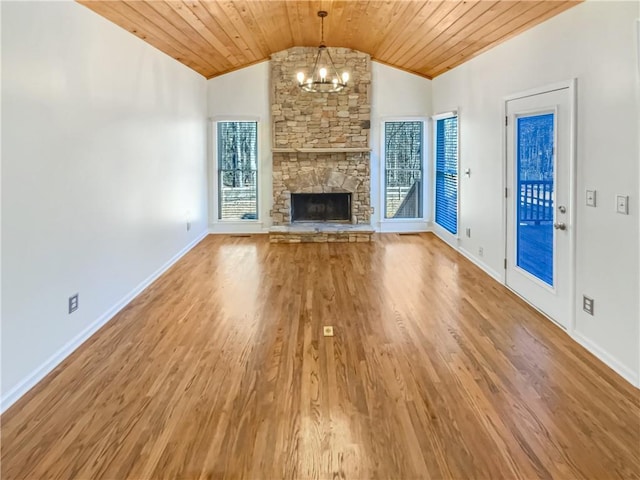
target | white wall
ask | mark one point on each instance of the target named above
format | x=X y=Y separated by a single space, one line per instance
x=103 y=155
x=245 y=94
x=396 y=95
x=242 y=95
x=596 y=43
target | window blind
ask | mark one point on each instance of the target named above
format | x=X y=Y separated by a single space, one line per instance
x=447 y=173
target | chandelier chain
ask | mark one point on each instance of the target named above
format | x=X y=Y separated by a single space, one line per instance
x=324 y=77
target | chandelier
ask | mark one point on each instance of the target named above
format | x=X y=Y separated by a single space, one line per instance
x=324 y=77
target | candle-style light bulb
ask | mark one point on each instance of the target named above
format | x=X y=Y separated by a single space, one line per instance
x=300 y=77
x=323 y=73
x=345 y=77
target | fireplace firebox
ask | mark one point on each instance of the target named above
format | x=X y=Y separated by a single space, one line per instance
x=320 y=207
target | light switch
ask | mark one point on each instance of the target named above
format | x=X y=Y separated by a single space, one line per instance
x=591 y=198
x=622 y=204
x=587 y=304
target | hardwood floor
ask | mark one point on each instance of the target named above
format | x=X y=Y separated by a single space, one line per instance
x=220 y=370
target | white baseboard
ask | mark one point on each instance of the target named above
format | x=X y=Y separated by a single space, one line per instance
x=39 y=373
x=226 y=228
x=445 y=236
x=488 y=270
x=625 y=372
x=453 y=242
x=397 y=226
x=622 y=370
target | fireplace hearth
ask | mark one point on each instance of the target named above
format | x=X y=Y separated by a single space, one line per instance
x=320 y=207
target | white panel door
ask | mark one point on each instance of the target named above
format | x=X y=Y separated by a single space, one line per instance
x=539 y=205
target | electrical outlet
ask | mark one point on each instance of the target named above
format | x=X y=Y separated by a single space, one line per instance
x=622 y=204
x=468 y=232
x=591 y=198
x=327 y=331
x=481 y=251
x=587 y=304
x=73 y=303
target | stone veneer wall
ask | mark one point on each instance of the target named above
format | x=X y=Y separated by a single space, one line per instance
x=313 y=120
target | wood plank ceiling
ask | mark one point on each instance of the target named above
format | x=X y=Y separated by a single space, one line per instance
x=426 y=37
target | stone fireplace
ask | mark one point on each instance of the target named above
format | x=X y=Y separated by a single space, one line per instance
x=320 y=146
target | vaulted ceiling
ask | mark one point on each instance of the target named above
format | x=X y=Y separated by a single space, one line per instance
x=426 y=37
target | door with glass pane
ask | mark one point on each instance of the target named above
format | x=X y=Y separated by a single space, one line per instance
x=539 y=201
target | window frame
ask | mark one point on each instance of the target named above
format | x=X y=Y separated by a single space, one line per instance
x=424 y=170
x=441 y=116
x=215 y=203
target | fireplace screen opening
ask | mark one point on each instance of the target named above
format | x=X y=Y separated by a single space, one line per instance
x=320 y=207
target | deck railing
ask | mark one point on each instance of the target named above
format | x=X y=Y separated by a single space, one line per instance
x=410 y=206
x=536 y=201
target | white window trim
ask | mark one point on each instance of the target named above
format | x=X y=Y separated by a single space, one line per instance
x=443 y=233
x=232 y=225
x=404 y=224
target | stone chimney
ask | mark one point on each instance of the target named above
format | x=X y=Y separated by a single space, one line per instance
x=320 y=140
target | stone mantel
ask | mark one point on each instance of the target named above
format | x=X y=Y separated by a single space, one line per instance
x=321 y=150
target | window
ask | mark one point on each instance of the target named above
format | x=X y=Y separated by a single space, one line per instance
x=447 y=173
x=535 y=174
x=403 y=159
x=237 y=170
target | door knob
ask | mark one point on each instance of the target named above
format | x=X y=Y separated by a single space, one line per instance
x=560 y=226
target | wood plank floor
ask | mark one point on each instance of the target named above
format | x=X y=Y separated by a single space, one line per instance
x=220 y=370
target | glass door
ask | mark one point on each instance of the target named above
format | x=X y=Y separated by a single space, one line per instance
x=539 y=244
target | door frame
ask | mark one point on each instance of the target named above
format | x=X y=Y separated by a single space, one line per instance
x=570 y=85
